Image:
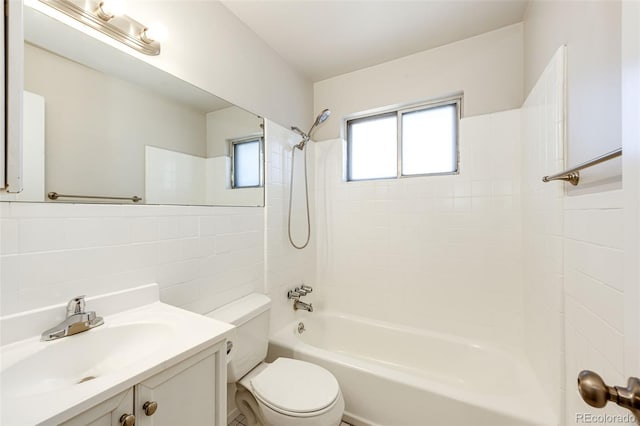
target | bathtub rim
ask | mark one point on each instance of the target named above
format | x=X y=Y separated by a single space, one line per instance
x=286 y=338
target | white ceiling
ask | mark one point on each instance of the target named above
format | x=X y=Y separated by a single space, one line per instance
x=326 y=38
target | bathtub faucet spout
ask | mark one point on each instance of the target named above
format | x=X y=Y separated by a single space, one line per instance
x=301 y=305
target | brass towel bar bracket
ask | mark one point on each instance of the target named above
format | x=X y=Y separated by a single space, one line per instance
x=573 y=175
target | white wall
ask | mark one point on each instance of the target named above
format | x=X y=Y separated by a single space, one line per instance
x=488 y=68
x=211 y=48
x=226 y=124
x=591 y=31
x=439 y=253
x=95 y=128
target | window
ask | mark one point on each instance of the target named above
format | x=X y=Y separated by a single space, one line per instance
x=416 y=141
x=246 y=163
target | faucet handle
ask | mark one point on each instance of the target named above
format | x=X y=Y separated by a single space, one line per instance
x=306 y=288
x=302 y=291
x=292 y=294
x=76 y=305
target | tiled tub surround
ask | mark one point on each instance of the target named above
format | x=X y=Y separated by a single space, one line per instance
x=202 y=257
x=574 y=300
x=439 y=253
x=285 y=266
x=396 y=375
x=543 y=145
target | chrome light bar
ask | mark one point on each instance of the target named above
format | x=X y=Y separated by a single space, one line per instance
x=119 y=27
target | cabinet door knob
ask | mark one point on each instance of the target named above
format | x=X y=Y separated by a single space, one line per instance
x=150 y=407
x=127 y=420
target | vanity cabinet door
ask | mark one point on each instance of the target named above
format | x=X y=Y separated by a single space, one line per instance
x=107 y=413
x=191 y=393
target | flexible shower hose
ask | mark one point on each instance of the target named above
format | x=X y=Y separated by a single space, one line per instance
x=306 y=196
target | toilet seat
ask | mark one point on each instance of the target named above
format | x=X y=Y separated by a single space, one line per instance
x=295 y=388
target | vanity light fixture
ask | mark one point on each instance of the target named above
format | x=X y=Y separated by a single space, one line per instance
x=108 y=17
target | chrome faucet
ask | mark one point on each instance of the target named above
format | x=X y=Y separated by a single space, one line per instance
x=296 y=294
x=301 y=305
x=77 y=321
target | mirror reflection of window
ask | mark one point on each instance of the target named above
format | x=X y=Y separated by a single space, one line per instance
x=246 y=163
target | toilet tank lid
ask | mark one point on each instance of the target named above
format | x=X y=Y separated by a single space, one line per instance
x=242 y=310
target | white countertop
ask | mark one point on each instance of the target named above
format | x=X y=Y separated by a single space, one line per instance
x=156 y=336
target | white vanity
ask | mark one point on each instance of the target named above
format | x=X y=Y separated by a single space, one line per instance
x=149 y=364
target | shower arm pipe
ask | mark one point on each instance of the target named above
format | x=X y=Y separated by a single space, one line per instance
x=573 y=175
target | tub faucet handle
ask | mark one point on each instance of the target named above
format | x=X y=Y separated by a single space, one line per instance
x=301 y=291
x=292 y=294
x=306 y=288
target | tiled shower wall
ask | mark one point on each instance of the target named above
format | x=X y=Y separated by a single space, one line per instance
x=594 y=295
x=286 y=267
x=543 y=153
x=573 y=260
x=439 y=253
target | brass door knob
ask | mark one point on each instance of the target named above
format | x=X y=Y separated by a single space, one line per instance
x=150 y=407
x=596 y=393
x=593 y=390
x=127 y=420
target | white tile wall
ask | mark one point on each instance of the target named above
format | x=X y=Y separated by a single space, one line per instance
x=543 y=154
x=441 y=252
x=173 y=177
x=574 y=301
x=201 y=257
x=594 y=298
x=286 y=267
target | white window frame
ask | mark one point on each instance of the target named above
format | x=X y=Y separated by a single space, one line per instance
x=399 y=111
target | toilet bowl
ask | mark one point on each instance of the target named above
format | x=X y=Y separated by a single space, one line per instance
x=289 y=392
x=286 y=392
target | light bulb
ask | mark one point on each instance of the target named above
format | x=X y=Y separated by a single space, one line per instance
x=155 y=32
x=111 y=8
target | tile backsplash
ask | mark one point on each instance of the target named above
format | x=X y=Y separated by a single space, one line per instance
x=200 y=256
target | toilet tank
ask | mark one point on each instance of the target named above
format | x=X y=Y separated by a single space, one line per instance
x=250 y=338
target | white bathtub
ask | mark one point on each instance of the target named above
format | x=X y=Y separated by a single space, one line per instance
x=393 y=376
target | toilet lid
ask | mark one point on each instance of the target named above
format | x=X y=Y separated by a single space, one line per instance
x=295 y=386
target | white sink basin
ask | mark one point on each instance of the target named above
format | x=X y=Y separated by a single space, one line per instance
x=67 y=376
x=77 y=359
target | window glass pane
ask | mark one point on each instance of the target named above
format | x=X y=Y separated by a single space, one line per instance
x=246 y=164
x=429 y=141
x=373 y=149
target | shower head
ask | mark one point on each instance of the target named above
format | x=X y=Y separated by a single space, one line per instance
x=321 y=118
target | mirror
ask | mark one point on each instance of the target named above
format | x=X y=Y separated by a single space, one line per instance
x=115 y=126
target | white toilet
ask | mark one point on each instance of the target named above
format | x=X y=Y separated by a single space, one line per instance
x=286 y=392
